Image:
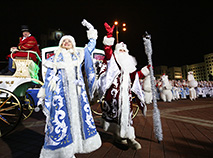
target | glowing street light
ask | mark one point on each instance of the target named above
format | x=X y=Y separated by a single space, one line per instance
x=116 y=26
x=124 y=27
x=117 y=32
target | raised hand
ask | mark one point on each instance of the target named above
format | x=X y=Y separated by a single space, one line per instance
x=87 y=24
x=109 y=29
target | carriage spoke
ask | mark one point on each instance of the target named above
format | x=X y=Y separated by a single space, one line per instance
x=4 y=120
x=6 y=114
x=10 y=111
x=28 y=107
x=9 y=108
x=5 y=102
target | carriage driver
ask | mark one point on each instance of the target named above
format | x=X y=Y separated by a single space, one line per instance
x=26 y=42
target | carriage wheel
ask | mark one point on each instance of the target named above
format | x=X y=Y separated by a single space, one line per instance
x=28 y=102
x=96 y=108
x=135 y=109
x=28 y=106
x=10 y=111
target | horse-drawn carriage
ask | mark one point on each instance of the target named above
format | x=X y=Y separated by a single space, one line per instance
x=16 y=102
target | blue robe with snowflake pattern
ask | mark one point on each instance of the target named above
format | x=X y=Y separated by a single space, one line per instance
x=69 y=122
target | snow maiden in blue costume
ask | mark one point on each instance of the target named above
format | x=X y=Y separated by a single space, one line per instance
x=70 y=127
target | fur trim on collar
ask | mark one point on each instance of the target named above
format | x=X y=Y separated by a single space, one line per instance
x=145 y=71
x=92 y=33
x=108 y=41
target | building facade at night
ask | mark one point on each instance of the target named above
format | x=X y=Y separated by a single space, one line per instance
x=175 y=73
x=198 y=71
x=160 y=70
x=202 y=71
x=208 y=60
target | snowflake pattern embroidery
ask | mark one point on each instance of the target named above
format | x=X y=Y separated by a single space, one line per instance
x=89 y=119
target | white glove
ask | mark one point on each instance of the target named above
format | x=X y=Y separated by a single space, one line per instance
x=92 y=33
x=13 y=49
x=52 y=83
x=40 y=105
x=87 y=24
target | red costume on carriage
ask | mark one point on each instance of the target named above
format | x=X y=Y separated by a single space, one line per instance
x=28 y=43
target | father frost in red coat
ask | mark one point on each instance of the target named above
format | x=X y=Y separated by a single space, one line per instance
x=118 y=82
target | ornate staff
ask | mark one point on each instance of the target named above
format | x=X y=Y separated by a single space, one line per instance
x=156 y=112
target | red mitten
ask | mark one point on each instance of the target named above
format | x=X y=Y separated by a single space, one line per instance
x=109 y=30
x=148 y=66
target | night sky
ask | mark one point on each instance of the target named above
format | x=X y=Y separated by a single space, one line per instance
x=182 y=32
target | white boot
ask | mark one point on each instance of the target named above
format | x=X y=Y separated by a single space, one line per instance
x=119 y=140
x=134 y=144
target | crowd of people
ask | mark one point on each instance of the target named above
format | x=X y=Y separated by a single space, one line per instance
x=176 y=89
x=204 y=89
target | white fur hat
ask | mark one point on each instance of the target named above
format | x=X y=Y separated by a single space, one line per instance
x=121 y=45
x=68 y=37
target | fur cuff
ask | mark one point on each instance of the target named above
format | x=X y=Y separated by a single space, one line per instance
x=108 y=41
x=41 y=93
x=145 y=71
x=92 y=33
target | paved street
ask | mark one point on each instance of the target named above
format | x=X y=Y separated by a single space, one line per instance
x=187 y=130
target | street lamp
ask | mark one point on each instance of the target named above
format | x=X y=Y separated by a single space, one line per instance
x=117 y=32
x=116 y=26
x=124 y=27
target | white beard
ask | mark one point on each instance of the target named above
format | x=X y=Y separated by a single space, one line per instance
x=127 y=62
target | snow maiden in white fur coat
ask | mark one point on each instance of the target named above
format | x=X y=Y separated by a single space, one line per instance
x=192 y=83
x=118 y=81
x=70 y=127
